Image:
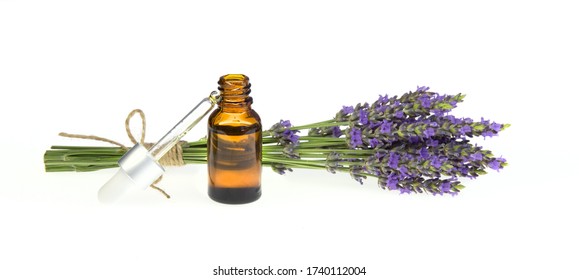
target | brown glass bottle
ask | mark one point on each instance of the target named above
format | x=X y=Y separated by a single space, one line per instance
x=234 y=144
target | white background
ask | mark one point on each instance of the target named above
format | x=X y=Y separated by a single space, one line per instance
x=81 y=66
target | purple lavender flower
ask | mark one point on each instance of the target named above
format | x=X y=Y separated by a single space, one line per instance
x=488 y=133
x=355 y=137
x=336 y=131
x=438 y=112
x=283 y=133
x=380 y=155
x=386 y=127
x=404 y=190
x=429 y=132
x=392 y=182
x=382 y=99
x=476 y=156
x=374 y=125
x=425 y=101
x=380 y=108
x=463 y=170
x=496 y=127
x=347 y=109
x=432 y=142
x=374 y=143
x=436 y=162
x=495 y=164
x=465 y=129
x=422 y=88
x=291 y=136
x=403 y=171
x=445 y=186
x=452 y=119
x=414 y=139
x=393 y=160
x=424 y=153
x=363 y=117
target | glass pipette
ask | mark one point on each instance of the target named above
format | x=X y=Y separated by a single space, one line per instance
x=140 y=167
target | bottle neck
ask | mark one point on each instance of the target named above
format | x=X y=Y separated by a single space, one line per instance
x=235 y=90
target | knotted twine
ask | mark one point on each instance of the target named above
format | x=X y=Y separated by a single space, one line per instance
x=173 y=158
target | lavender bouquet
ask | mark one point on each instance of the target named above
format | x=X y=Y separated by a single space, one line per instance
x=409 y=143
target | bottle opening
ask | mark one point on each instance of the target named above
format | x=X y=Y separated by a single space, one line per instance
x=234 y=84
x=235 y=77
x=235 y=89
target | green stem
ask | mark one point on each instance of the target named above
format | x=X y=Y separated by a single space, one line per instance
x=325 y=138
x=294 y=162
x=327 y=123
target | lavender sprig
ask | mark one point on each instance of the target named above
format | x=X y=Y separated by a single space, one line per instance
x=288 y=140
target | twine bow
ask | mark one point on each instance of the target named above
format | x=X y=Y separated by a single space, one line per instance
x=173 y=158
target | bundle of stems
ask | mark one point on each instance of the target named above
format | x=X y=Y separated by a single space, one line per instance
x=90 y=158
x=409 y=143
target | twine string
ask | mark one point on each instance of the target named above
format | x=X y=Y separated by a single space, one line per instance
x=174 y=157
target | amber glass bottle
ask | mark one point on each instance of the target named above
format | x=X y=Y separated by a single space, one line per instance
x=234 y=144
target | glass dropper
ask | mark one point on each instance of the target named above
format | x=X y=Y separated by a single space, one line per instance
x=140 y=167
x=166 y=143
